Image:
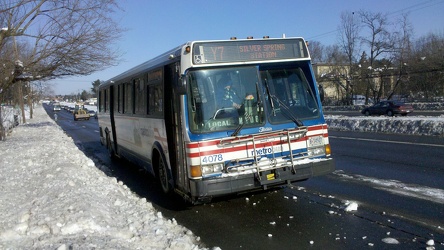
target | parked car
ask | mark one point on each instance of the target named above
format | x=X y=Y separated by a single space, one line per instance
x=389 y=108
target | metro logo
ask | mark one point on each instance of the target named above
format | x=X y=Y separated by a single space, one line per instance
x=263 y=151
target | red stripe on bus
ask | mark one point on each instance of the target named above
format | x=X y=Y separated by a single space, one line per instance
x=217 y=142
x=241 y=148
x=248 y=147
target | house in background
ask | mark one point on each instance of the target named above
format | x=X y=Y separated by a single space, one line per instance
x=340 y=88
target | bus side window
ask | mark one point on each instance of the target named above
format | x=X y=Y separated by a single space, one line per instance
x=139 y=96
x=102 y=101
x=128 y=106
x=106 y=100
x=116 y=98
x=155 y=93
x=155 y=99
x=121 y=98
x=158 y=98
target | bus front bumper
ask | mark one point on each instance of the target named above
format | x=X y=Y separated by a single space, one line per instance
x=205 y=189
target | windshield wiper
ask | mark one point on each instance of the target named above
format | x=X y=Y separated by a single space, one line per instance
x=288 y=111
x=286 y=108
x=269 y=96
x=259 y=100
x=238 y=129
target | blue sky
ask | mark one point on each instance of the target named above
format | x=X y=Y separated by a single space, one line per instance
x=155 y=26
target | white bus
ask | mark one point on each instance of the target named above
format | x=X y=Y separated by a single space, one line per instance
x=212 y=118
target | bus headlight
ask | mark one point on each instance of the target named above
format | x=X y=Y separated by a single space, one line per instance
x=316 y=151
x=212 y=169
x=202 y=171
x=325 y=150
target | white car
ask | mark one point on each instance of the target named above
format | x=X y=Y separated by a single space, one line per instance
x=57 y=107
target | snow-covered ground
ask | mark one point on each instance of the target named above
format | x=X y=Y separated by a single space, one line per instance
x=412 y=125
x=54 y=197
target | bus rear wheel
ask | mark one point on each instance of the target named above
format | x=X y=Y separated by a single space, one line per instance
x=110 y=148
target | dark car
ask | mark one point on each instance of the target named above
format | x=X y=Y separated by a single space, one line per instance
x=389 y=108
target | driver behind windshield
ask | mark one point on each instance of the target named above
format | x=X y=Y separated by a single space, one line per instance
x=226 y=95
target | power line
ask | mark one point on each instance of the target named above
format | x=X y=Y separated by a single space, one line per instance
x=418 y=6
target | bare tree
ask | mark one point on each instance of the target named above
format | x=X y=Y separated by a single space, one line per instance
x=401 y=52
x=62 y=38
x=316 y=51
x=426 y=66
x=378 y=42
x=349 y=42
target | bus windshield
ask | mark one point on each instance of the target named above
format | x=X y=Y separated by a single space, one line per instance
x=288 y=96
x=223 y=99
x=229 y=98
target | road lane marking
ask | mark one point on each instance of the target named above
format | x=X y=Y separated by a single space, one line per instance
x=397 y=187
x=394 y=142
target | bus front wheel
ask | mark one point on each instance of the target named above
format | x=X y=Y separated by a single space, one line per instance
x=163 y=176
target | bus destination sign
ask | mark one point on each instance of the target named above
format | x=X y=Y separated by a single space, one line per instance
x=248 y=50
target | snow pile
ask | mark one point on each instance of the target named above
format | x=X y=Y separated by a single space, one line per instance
x=351 y=206
x=427 y=105
x=416 y=106
x=412 y=125
x=390 y=240
x=7 y=117
x=54 y=197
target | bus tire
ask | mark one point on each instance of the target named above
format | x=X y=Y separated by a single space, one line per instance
x=109 y=146
x=163 y=176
